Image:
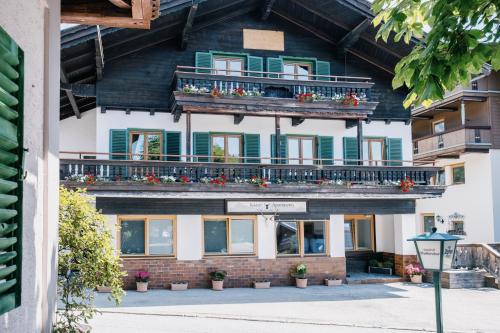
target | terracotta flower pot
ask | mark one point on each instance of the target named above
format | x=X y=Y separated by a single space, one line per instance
x=217 y=285
x=300 y=283
x=416 y=279
x=142 y=287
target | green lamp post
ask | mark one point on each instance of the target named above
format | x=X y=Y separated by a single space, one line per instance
x=435 y=252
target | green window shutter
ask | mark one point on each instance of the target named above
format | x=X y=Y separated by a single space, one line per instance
x=203 y=59
x=255 y=64
x=325 y=149
x=118 y=144
x=350 y=150
x=11 y=184
x=283 y=149
x=201 y=146
x=172 y=145
x=274 y=65
x=394 y=151
x=251 y=144
x=322 y=68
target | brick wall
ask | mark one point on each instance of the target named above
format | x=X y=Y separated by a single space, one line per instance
x=400 y=261
x=241 y=271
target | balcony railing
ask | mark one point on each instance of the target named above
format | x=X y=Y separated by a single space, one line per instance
x=455 y=140
x=271 y=84
x=106 y=171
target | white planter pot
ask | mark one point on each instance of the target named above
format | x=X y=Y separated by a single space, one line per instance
x=178 y=286
x=262 y=284
x=142 y=287
x=331 y=283
x=416 y=279
x=217 y=285
x=301 y=283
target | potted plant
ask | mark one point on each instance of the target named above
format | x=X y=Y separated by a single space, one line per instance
x=217 y=278
x=179 y=285
x=332 y=281
x=299 y=272
x=415 y=271
x=141 y=281
x=379 y=267
x=262 y=284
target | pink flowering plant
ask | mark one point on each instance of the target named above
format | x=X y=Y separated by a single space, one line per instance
x=142 y=276
x=414 y=269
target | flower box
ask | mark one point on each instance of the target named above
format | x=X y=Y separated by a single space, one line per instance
x=262 y=284
x=333 y=282
x=379 y=270
x=178 y=286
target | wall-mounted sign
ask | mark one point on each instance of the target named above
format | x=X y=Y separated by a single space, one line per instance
x=263 y=207
x=263 y=40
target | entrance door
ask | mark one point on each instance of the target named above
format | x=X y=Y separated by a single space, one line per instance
x=359 y=240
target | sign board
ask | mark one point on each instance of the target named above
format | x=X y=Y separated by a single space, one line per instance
x=263 y=40
x=262 y=207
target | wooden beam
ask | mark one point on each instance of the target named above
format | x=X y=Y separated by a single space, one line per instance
x=120 y=4
x=69 y=93
x=267 y=8
x=360 y=141
x=238 y=118
x=81 y=90
x=353 y=36
x=142 y=10
x=296 y=121
x=109 y=21
x=177 y=114
x=188 y=26
x=99 y=54
x=188 y=136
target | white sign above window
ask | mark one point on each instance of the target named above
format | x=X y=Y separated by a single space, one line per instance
x=263 y=207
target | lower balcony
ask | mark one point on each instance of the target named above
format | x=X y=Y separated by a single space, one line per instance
x=222 y=179
x=451 y=143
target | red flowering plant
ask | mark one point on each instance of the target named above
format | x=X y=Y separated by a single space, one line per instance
x=89 y=179
x=350 y=99
x=151 y=179
x=240 y=92
x=117 y=178
x=215 y=92
x=221 y=180
x=184 y=179
x=142 y=276
x=414 y=269
x=260 y=182
x=306 y=97
x=406 y=184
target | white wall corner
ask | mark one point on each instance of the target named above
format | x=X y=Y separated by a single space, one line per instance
x=405 y=227
x=266 y=237
x=189 y=237
x=337 y=246
x=384 y=231
x=112 y=227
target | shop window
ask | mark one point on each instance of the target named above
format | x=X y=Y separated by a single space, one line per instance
x=458 y=173
x=301 y=150
x=229 y=235
x=226 y=148
x=152 y=235
x=229 y=65
x=297 y=70
x=429 y=223
x=301 y=238
x=145 y=145
x=359 y=233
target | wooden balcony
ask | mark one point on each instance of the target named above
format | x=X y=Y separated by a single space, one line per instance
x=246 y=178
x=451 y=143
x=270 y=94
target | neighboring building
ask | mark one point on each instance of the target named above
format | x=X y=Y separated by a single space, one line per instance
x=29 y=121
x=328 y=168
x=461 y=135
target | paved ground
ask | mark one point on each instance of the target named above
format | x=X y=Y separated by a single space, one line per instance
x=394 y=307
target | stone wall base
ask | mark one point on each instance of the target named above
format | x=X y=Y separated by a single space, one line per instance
x=241 y=271
x=400 y=261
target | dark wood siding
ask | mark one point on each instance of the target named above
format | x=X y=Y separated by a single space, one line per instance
x=495 y=120
x=143 y=79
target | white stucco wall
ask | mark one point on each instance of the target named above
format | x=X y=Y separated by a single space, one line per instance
x=474 y=199
x=266 y=237
x=34 y=25
x=405 y=227
x=495 y=190
x=189 y=237
x=78 y=134
x=384 y=233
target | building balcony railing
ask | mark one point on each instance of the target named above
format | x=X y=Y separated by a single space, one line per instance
x=451 y=142
x=271 y=91
x=241 y=177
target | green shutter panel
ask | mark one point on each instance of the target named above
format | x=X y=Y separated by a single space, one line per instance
x=322 y=68
x=274 y=65
x=251 y=144
x=118 y=144
x=255 y=64
x=201 y=145
x=173 y=145
x=350 y=151
x=325 y=149
x=394 y=151
x=283 y=149
x=203 y=59
x=11 y=170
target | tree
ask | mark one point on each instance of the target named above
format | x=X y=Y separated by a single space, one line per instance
x=86 y=260
x=454 y=40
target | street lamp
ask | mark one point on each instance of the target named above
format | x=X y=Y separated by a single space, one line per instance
x=435 y=252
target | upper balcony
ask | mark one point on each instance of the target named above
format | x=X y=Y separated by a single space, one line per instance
x=198 y=89
x=209 y=179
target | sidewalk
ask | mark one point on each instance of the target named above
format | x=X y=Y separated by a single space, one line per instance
x=355 y=308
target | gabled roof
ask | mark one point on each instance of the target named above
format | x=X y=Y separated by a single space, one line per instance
x=342 y=23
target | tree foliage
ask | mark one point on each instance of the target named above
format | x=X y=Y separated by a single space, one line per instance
x=454 y=39
x=86 y=260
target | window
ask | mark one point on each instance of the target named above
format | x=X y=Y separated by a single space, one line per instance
x=301 y=238
x=151 y=235
x=226 y=148
x=359 y=233
x=229 y=66
x=438 y=126
x=441 y=177
x=146 y=145
x=429 y=222
x=457 y=228
x=458 y=173
x=301 y=150
x=373 y=151
x=229 y=235
x=297 y=70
